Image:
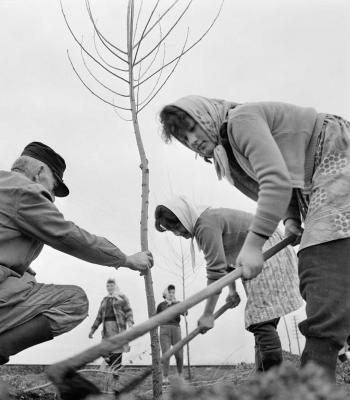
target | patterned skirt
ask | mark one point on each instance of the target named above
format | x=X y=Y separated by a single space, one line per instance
x=325 y=206
x=275 y=291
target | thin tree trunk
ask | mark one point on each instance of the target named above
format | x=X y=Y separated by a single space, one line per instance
x=288 y=336
x=188 y=352
x=155 y=350
x=296 y=332
x=186 y=322
x=133 y=61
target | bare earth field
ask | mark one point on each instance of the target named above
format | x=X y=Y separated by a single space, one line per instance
x=22 y=377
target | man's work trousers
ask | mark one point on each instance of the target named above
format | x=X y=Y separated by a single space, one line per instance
x=22 y=299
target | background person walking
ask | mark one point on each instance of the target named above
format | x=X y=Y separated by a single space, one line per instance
x=115 y=315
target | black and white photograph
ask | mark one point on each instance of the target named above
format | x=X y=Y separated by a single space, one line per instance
x=175 y=199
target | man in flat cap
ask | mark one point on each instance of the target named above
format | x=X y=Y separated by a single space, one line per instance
x=31 y=312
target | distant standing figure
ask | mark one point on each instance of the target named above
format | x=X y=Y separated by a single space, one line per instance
x=170 y=332
x=115 y=315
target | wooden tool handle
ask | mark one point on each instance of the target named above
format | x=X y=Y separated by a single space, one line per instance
x=267 y=254
x=56 y=371
x=176 y=347
x=279 y=246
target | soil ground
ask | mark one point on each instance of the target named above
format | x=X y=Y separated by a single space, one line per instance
x=22 y=377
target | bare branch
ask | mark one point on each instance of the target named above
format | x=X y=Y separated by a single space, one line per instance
x=102 y=37
x=155 y=56
x=157 y=81
x=189 y=48
x=86 y=52
x=98 y=81
x=157 y=22
x=119 y=115
x=167 y=78
x=102 y=58
x=137 y=21
x=138 y=91
x=104 y=41
x=136 y=62
x=145 y=28
x=90 y=90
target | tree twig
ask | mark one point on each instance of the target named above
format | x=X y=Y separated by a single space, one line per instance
x=85 y=51
x=137 y=21
x=154 y=57
x=119 y=115
x=166 y=79
x=100 y=55
x=98 y=81
x=102 y=37
x=136 y=62
x=157 y=81
x=90 y=90
x=189 y=48
x=158 y=20
x=144 y=30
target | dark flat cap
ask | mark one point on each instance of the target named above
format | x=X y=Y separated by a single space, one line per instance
x=54 y=161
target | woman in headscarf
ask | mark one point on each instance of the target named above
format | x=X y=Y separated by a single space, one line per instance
x=295 y=162
x=115 y=315
x=220 y=234
x=170 y=332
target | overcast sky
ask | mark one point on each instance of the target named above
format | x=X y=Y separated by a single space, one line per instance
x=283 y=50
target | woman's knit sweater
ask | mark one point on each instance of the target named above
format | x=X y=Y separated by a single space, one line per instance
x=274 y=144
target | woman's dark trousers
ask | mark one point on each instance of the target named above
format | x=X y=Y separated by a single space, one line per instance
x=324 y=272
x=268 y=350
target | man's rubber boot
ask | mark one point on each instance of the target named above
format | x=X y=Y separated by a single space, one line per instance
x=264 y=360
x=323 y=352
x=29 y=334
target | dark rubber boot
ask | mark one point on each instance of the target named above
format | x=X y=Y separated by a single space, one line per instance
x=322 y=352
x=272 y=359
x=33 y=332
x=264 y=360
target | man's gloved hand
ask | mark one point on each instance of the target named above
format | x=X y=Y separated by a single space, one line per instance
x=140 y=261
x=206 y=322
x=234 y=299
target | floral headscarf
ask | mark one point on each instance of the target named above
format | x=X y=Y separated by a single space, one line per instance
x=210 y=114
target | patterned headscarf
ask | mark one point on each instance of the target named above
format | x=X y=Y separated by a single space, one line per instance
x=187 y=213
x=210 y=114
